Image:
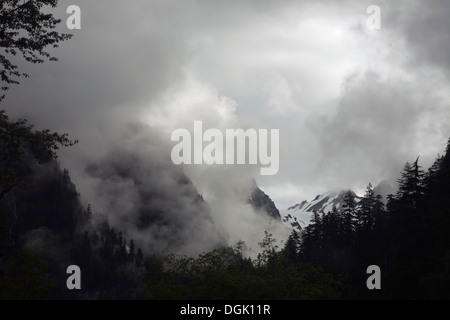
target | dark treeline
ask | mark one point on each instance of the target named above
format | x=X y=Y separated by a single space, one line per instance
x=408 y=239
x=45 y=228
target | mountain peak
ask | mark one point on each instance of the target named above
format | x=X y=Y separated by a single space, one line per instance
x=261 y=201
x=299 y=215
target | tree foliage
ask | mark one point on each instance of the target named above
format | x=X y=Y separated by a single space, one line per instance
x=224 y=274
x=26 y=30
x=18 y=138
x=408 y=238
x=410 y=244
x=25 y=278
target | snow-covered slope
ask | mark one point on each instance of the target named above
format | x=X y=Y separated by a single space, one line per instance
x=299 y=215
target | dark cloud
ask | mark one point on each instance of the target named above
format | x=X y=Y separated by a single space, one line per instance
x=155 y=205
x=379 y=125
x=138 y=190
x=424 y=26
x=352 y=105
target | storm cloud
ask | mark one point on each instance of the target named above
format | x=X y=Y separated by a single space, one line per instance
x=352 y=104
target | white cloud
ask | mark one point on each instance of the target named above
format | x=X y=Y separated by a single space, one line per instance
x=305 y=67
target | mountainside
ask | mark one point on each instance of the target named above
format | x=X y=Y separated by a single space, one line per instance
x=299 y=215
x=262 y=202
x=147 y=210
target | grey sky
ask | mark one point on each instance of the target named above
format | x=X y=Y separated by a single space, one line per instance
x=352 y=104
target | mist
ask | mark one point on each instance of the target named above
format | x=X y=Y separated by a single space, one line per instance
x=352 y=105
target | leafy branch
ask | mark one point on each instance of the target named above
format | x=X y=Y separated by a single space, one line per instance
x=26 y=30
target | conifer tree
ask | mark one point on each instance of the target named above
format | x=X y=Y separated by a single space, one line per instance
x=333 y=225
x=139 y=258
x=366 y=213
x=312 y=238
x=348 y=218
x=131 y=253
x=411 y=185
x=292 y=247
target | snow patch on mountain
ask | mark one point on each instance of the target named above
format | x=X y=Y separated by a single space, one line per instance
x=299 y=215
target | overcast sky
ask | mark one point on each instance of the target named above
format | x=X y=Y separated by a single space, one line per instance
x=352 y=104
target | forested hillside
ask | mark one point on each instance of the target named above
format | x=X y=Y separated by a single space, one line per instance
x=45 y=228
x=408 y=238
x=349 y=91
